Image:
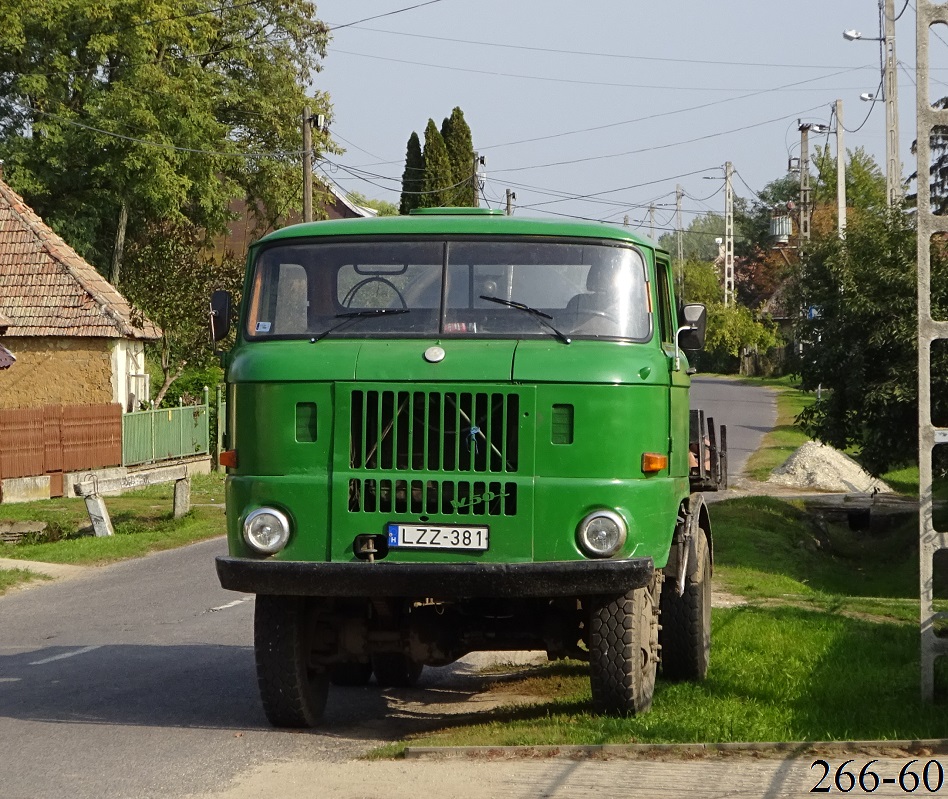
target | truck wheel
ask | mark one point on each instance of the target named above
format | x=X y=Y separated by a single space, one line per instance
x=623 y=649
x=396 y=670
x=686 y=621
x=350 y=674
x=292 y=689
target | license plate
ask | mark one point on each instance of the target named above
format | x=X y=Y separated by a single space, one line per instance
x=438 y=536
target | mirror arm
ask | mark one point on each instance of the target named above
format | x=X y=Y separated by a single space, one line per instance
x=678 y=333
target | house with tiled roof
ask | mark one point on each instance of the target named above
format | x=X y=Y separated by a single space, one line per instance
x=7 y=358
x=77 y=341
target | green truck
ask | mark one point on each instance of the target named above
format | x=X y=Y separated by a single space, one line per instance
x=457 y=431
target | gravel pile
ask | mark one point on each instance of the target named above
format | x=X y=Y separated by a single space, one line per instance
x=817 y=466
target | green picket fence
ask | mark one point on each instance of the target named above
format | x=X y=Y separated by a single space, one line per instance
x=165 y=434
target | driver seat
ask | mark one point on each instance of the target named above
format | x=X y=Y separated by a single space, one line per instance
x=584 y=311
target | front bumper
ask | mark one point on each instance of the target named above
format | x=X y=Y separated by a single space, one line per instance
x=435 y=580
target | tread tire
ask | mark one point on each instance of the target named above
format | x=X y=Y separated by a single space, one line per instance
x=292 y=691
x=396 y=670
x=623 y=649
x=685 y=636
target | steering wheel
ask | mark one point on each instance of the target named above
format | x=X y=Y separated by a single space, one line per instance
x=351 y=294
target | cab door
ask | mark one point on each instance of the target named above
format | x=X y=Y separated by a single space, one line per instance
x=679 y=380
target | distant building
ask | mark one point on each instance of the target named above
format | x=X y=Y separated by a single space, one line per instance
x=77 y=340
x=244 y=230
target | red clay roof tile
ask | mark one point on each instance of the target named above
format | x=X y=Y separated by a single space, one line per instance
x=46 y=289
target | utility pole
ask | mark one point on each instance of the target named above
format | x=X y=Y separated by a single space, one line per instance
x=679 y=192
x=651 y=221
x=840 y=171
x=476 y=182
x=804 y=182
x=307 y=167
x=511 y=196
x=893 y=168
x=728 y=235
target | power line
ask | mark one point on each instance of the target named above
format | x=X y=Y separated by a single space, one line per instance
x=545 y=78
x=623 y=188
x=387 y=14
x=656 y=147
x=623 y=56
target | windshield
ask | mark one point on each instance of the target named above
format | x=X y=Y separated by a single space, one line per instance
x=449 y=288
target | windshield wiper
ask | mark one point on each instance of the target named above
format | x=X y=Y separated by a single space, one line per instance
x=353 y=316
x=541 y=317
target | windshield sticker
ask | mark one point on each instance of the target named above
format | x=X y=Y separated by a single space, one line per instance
x=263 y=327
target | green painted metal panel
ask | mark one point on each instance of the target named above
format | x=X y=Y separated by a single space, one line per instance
x=164 y=434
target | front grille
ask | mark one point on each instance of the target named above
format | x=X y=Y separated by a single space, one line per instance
x=441 y=497
x=433 y=431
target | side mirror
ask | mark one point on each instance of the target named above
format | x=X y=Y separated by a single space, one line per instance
x=694 y=322
x=220 y=315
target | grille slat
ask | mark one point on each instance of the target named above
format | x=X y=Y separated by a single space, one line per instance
x=450 y=432
x=409 y=443
x=441 y=497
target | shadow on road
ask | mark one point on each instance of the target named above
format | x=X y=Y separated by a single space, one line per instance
x=205 y=686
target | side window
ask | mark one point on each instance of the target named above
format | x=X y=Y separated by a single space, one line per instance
x=667 y=320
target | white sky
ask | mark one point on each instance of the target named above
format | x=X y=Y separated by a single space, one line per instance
x=665 y=92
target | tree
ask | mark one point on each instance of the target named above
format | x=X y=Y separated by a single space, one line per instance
x=698 y=239
x=170 y=280
x=701 y=283
x=860 y=337
x=439 y=177
x=865 y=180
x=413 y=178
x=168 y=109
x=384 y=208
x=460 y=145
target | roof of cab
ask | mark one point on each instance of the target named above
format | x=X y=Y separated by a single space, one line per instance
x=457 y=221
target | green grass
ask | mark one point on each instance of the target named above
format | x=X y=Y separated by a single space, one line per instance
x=825 y=649
x=766 y=548
x=13 y=577
x=142 y=521
x=777 y=674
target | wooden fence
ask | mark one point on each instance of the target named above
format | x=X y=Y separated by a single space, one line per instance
x=59 y=438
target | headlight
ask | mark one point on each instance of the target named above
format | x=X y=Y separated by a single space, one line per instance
x=266 y=530
x=601 y=534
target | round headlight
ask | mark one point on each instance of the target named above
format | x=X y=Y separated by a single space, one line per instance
x=267 y=530
x=601 y=534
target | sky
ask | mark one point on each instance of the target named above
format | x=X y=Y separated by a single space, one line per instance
x=599 y=110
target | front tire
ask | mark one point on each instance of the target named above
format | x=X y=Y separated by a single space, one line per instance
x=686 y=621
x=292 y=689
x=623 y=649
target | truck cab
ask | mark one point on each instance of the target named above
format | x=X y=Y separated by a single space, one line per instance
x=456 y=431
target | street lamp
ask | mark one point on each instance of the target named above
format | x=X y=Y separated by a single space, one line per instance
x=893 y=167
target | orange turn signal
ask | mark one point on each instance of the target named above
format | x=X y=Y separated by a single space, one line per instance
x=228 y=458
x=653 y=462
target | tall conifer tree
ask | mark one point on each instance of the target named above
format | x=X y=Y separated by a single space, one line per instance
x=439 y=177
x=460 y=145
x=413 y=178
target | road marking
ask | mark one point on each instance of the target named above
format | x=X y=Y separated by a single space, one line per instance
x=9 y=679
x=233 y=604
x=65 y=655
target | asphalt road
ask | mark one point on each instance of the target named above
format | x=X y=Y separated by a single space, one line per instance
x=137 y=680
x=748 y=411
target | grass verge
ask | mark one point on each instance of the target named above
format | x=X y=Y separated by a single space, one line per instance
x=143 y=523
x=10 y=578
x=826 y=648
